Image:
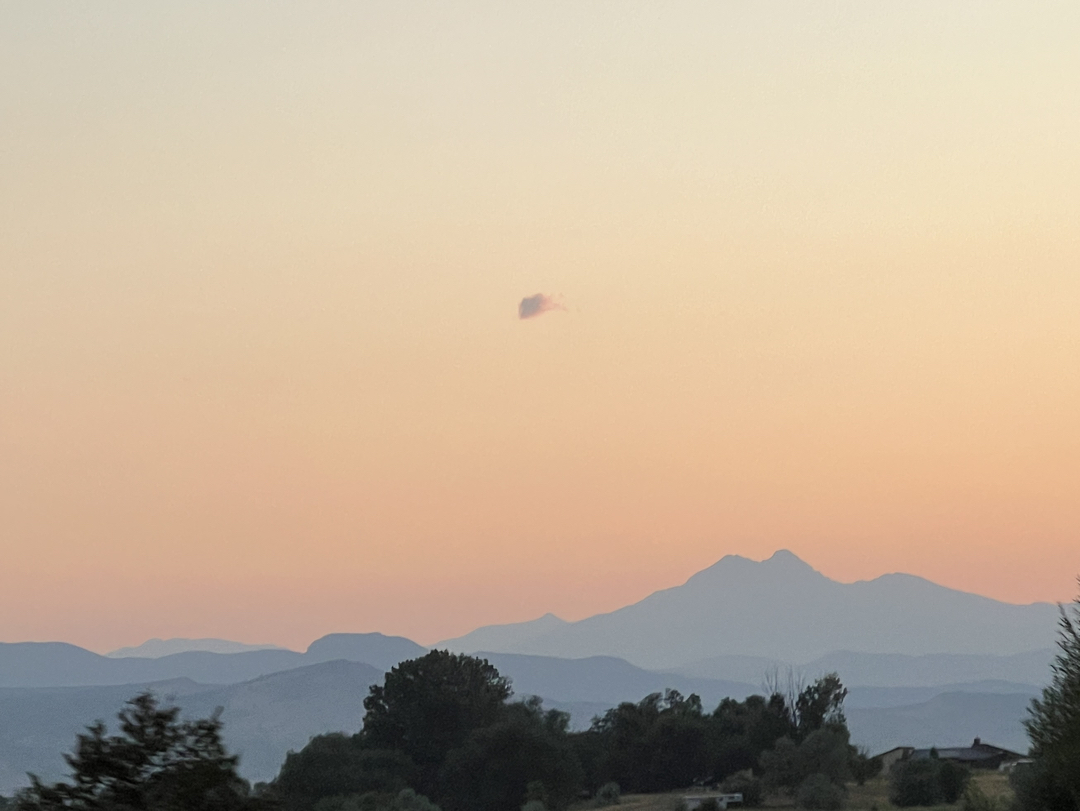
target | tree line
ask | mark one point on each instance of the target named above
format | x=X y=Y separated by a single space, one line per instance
x=442 y=733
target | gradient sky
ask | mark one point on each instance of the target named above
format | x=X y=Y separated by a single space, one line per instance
x=262 y=374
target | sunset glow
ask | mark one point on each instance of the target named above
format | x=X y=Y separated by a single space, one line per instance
x=265 y=370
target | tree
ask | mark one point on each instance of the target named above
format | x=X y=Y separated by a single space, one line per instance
x=525 y=756
x=818 y=741
x=1053 y=725
x=820 y=704
x=819 y=793
x=428 y=706
x=825 y=752
x=658 y=744
x=741 y=731
x=337 y=765
x=914 y=782
x=927 y=781
x=156 y=763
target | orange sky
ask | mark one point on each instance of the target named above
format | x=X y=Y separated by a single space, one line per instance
x=262 y=375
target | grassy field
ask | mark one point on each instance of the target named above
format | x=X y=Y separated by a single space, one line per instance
x=873 y=796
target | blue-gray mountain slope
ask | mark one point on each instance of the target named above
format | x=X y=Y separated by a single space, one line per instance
x=783 y=609
x=57 y=664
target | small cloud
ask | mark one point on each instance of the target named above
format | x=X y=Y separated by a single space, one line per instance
x=532 y=306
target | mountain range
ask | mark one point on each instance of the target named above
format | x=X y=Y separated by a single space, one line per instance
x=156 y=648
x=781 y=609
x=925 y=665
x=267 y=716
x=58 y=664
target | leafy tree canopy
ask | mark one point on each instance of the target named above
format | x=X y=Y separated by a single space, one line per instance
x=428 y=706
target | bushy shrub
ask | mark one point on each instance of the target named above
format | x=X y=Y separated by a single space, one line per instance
x=864 y=767
x=404 y=800
x=534 y=805
x=1040 y=788
x=952 y=780
x=975 y=799
x=825 y=751
x=819 y=793
x=913 y=782
x=927 y=781
x=745 y=783
x=608 y=794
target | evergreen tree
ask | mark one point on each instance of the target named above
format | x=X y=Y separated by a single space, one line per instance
x=1054 y=722
x=156 y=763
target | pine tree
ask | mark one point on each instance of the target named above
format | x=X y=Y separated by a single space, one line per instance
x=1054 y=722
x=156 y=763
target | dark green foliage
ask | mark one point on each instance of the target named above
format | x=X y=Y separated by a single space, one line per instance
x=914 y=782
x=1054 y=727
x=927 y=781
x=952 y=779
x=658 y=744
x=819 y=793
x=975 y=799
x=745 y=783
x=338 y=765
x=525 y=755
x=536 y=791
x=428 y=706
x=665 y=741
x=863 y=767
x=825 y=751
x=156 y=763
x=780 y=767
x=607 y=794
x=740 y=731
x=1040 y=788
x=441 y=725
x=404 y=800
x=819 y=705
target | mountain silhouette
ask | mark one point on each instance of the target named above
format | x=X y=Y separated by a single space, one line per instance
x=156 y=648
x=58 y=664
x=781 y=609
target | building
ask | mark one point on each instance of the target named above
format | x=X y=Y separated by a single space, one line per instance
x=894 y=756
x=977 y=756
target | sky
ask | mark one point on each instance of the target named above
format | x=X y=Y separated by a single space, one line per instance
x=797 y=275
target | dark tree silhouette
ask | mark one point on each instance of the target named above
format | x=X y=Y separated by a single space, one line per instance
x=156 y=763
x=1054 y=727
x=425 y=707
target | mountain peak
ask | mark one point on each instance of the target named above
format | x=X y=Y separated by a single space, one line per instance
x=781 y=561
x=788 y=559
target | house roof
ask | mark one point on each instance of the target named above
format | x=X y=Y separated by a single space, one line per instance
x=965 y=754
x=976 y=753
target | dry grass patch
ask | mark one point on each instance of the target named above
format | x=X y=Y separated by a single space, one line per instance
x=873 y=796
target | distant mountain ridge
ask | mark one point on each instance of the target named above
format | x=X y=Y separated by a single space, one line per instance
x=926 y=665
x=267 y=716
x=156 y=648
x=885 y=669
x=783 y=609
x=58 y=664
